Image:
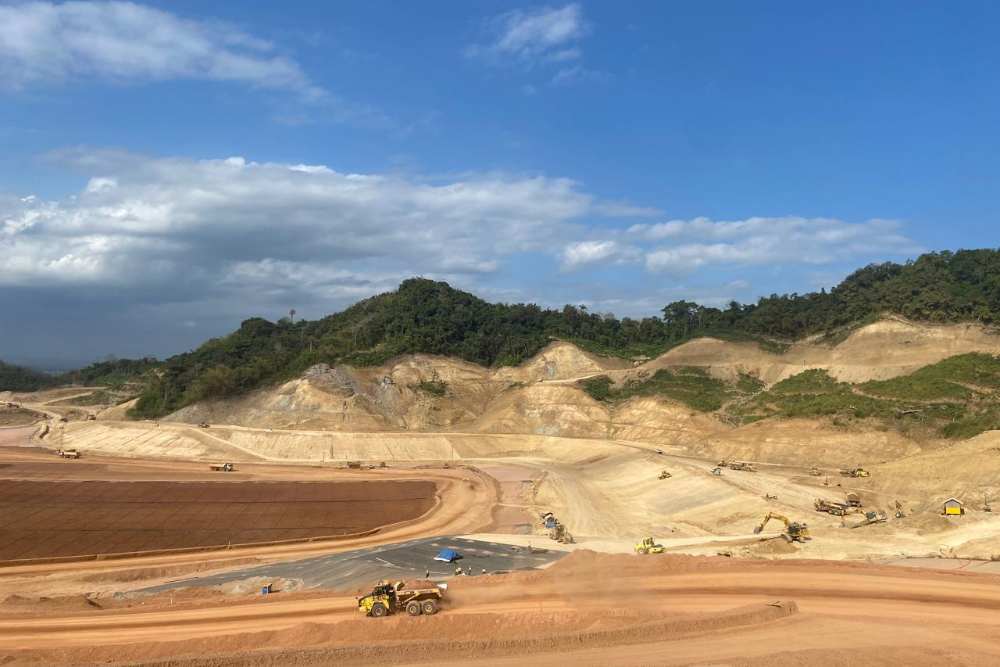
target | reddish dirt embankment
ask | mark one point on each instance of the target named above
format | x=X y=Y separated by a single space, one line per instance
x=588 y=609
x=44 y=519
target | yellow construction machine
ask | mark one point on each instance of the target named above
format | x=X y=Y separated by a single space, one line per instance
x=794 y=531
x=648 y=546
x=388 y=598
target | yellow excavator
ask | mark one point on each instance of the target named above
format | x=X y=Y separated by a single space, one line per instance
x=648 y=546
x=794 y=531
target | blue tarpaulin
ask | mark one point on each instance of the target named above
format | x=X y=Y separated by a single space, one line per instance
x=448 y=555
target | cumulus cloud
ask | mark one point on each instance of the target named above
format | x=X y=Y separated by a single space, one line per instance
x=128 y=42
x=685 y=245
x=588 y=253
x=173 y=225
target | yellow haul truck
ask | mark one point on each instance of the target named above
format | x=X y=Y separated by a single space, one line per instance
x=387 y=598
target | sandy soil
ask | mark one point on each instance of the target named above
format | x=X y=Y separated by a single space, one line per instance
x=14 y=417
x=540 y=397
x=692 y=611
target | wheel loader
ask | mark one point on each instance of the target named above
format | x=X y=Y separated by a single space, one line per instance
x=794 y=531
x=648 y=546
x=387 y=598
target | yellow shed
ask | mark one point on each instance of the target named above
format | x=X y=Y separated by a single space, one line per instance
x=953 y=507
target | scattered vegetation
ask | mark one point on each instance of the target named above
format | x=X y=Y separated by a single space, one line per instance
x=99 y=397
x=958 y=397
x=431 y=317
x=960 y=378
x=433 y=387
x=691 y=386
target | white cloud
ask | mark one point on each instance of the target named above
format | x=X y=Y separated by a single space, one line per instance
x=541 y=32
x=539 y=37
x=570 y=76
x=587 y=253
x=759 y=240
x=170 y=224
x=128 y=42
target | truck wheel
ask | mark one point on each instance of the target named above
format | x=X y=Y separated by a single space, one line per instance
x=379 y=610
x=413 y=608
x=429 y=607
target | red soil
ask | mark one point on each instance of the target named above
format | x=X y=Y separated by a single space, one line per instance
x=43 y=519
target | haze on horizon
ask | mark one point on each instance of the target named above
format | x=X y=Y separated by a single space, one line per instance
x=170 y=169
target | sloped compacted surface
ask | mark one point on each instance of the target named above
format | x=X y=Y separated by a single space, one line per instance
x=44 y=519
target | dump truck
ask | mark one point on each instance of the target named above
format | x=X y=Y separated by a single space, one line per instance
x=222 y=467
x=203 y=425
x=854 y=472
x=742 y=465
x=69 y=453
x=421 y=597
x=815 y=472
x=794 y=531
x=830 y=507
x=648 y=546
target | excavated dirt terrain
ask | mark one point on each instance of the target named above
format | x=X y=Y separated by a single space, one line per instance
x=588 y=609
x=503 y=445
x=41 y=519
x=434 y=394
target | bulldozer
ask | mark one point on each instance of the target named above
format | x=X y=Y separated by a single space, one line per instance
x=664 y=475
x=873 y=516
x=559 y=533
x=794 y=531
x=387 y=598
x=648 y=546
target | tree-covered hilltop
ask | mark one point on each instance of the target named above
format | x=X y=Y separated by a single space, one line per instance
x=111 y=373
x=432 y=317
x=18 y=378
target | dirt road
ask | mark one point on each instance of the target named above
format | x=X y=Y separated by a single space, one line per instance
x=587 y=609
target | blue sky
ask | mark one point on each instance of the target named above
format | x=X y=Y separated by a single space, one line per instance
x=169 y=169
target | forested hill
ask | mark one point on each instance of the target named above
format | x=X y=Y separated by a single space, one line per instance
x=431 y=317
x=18 y=378
x=109 y=373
